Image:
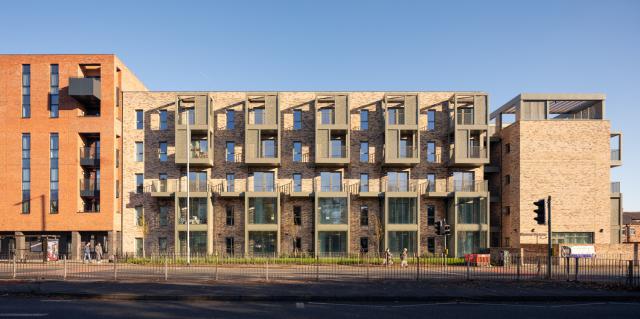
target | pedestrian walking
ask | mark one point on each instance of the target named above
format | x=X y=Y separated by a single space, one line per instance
x=87 y=253
x=387 y=258
x=403 y=258
x=98 y=252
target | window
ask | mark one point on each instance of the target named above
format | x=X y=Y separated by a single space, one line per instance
x=402 y=211
x=337 y=147
x=257 y=115
x=26 y=90
x=139 y=246
x=507 y=179
x=230 y=151
x=297 y=244
x=230 y=217
x=431 y=152
x=507 y=148
x=231 y=182
x=364 y=120
x=364 y=244
x=231 y=119
x=297 y=182
x=139 y=151
x=572 y=238
x=297 y=151
x=297 y=215
x=54 y=95
x=117 y=188
x=364 y=152
x=163 y=215
x=327 y=115
x=26 y=173
x=364 y=182
x=431 y=120
x=54 y=174
x=263 y=182
x=139 y=120
x=431 y=182
x=396 y=115
x=162 y=244
x=229 y=244
x=431 y=245
x=162 y=151
x=364 y=215
x=330 y=181
x=268 y=148
x=398 y=181
x=139 y=216
x=431 y=215
x=297 y=119
x=332 y=210
x=163 y=120
x=139 y=183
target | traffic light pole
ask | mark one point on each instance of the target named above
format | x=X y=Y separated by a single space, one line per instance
x=549 y=249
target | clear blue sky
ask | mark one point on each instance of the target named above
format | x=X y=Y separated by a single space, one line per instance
x=501 y=47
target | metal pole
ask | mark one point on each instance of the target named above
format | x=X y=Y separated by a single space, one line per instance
x=166 y=269
x=115 y=268
x=64 y=264
x=188 y=149
x=417 y=267
x=549 y=249
x=267 y=269
x=575 y=278
x=14 y=267
x=216 y=274
x=317 y=268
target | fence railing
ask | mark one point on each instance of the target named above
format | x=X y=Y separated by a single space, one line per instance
x=338 y=267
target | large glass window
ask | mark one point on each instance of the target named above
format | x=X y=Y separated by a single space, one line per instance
x=26 y=90
x=431 y=215
x=463 y=181
x=364 y=120
x=332 y=210
x=472 y=211
x=262 y=242
x=231 y=182
x=572 y=238
x=257 y=115
x=405 y=147
x=231 y=220
x=334 y=242
x=431 y=182
x=297 y=151
x=54 y=91
x=197 y=242
x=364 y=182
x=163 y=215
x=197 y=211
x=263 y=182
x=139 y=183
x=163 y=120
x=364 y=215
x=338 y=147
x=471 y=242
x=327 y=115
x=396 y=115
x=297 y=182
x=139 y=216
x=431 y=120
x=26 y=173
x=402 y=210
x=229 y=245
x=139 y=151
x=162 y=151
x=54 y=174
x=330 y=181
x=231 y=119
x=199 y=148
x=431 y=152
x=197 y=181
x=139 y=119
x=398 y=181
x=263 y=210
x=297 y=119
x=399 y=240
x=268 y=148
x=230 y=150
x=364 y=152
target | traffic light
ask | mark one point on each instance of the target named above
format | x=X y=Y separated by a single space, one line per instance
x=439 y=227
x=447 y=230
x=540 y=212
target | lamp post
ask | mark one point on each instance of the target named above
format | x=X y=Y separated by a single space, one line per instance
x=188 y=219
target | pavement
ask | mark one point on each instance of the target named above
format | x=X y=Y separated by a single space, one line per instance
x=328 y=291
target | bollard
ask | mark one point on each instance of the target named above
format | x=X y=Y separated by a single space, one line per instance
x=115 y=268
x=64 y=265
x=468 y=271
x=166 y=269
x=575 y=278
x=14 y=267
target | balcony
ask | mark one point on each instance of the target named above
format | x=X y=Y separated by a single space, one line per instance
x=616 y=149
x=198 y=212
x=615 y=190
x=89 y=187
x=236 y=188
x=85 y=90
x=332 y=124
x=401 y=130
x=90 y=156
x=468 y=130
x=262 y=130
x=162 y=188
x=196 y=188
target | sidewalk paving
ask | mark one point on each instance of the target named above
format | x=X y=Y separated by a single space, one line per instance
x=388 y=291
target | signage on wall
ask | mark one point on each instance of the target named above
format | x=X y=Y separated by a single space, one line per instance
x=578 y=251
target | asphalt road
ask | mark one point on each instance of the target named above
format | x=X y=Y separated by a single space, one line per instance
x=57 y=308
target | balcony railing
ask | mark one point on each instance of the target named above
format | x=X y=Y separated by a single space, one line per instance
x=194 y=186
x=196 y=219
x=407 y=152
x=469 y=186
x=89 y=155
x=197 y=153
x=465 y=117
x=162 y=186
x=264 y=188
x=340 y=152
x=89 y=187
x=615 y=187
x=615 y=154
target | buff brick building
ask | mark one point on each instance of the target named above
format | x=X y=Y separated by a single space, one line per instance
x=324 y=173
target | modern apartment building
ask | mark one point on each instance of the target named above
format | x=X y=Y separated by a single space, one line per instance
x=60 y=151
x=90 y=155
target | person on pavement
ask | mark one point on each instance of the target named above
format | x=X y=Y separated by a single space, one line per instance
x=87 y=253
x=99 y=253
x=403 y=258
